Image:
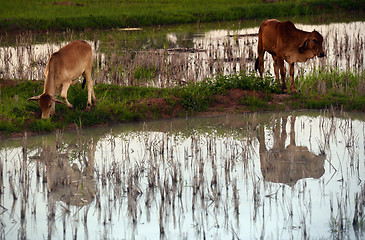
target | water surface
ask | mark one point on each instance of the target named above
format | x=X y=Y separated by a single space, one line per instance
x=272 y=176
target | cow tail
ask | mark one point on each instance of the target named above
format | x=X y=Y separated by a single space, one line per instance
x=83 y=83
x=257 y=64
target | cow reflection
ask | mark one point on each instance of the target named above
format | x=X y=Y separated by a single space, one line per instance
x=288 y=164
x=69 y=179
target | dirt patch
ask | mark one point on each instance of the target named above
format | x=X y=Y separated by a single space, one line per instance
x=166 y=108
x=6 y=82
x=9 y=82
x=278 y=98
x=221 y=104
x=230 y=101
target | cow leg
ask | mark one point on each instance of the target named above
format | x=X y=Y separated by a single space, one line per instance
x=280 y=62
x=260 y=59
x=64 y=90
x=261 y=63
x=53 y=108
x=292 y=87
x=90 y=89
x=276 y=67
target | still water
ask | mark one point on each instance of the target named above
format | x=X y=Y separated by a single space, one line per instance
x=177 y=55
x=271 y=176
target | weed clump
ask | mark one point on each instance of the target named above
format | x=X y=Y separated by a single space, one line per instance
x=327 y=87
x=198 y=96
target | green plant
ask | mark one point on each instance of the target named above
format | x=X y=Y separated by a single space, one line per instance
x=194 y=97
x=145 y=73
x=245 y=81
x=41 y=125
x=332 y=81
x=253 y=102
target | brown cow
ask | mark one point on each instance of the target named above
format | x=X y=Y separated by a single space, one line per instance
x=63 y=69
x=285 y=42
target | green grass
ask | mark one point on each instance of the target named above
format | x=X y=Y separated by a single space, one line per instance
x=253 y=102
x=198 y=96
x=332 y=87
x=145 y=74
x=43 y=14
x=117 y=104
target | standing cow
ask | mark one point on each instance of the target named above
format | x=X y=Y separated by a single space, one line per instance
x=285 y=42
x=63 y=69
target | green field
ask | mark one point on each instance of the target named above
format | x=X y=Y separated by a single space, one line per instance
x=323 y=89
x=82 y=14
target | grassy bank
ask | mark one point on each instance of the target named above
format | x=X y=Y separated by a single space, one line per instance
x=81 y=14
x=118 y=104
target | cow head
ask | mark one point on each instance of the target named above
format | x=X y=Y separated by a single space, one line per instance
x=312 y=42
x=46 y=102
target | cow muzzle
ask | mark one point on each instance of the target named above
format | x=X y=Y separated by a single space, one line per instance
x=45 y=116
x=321 y=55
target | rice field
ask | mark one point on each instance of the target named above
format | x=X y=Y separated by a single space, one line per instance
x=170 y=56
x=293 y=175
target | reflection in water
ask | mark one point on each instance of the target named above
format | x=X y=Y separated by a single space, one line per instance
x=291 y=163
x=188 y=179
x=65 y=180
x=179 y=57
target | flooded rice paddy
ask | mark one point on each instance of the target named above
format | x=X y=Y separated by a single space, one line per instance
x=175 y=55
x=255 y=176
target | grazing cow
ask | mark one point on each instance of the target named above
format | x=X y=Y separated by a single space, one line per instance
x=63 y=69
x=285 y=42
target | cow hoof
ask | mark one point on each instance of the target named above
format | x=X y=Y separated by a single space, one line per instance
x=88 y=108
x=293 y=91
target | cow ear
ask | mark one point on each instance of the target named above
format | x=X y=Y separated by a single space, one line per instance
x=56 y=100
x=303 y=46
x=35 y=98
